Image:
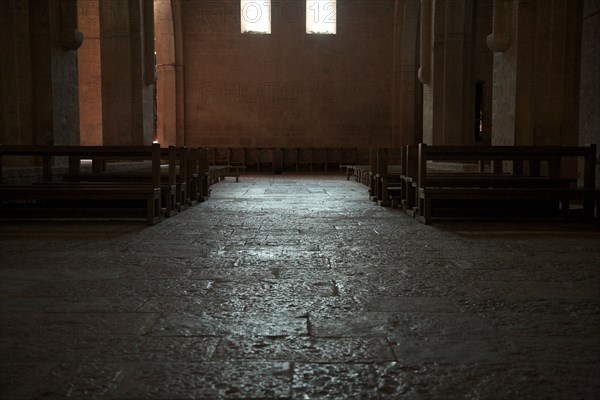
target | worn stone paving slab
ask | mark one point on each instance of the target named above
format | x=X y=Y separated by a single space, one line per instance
x=92 y=304
x=415 y=352
x=93 y=349
x=490 y=306
x=305 y=349
x=48 y=325
x=78 y=381
x=334 y=381
x=209 y=380
x=25 y=304
x=427 y=325
x=547 y=325
x=17 y=379
x=118 y=288
x=411 y=304
x=435 y=381
x=230 y=323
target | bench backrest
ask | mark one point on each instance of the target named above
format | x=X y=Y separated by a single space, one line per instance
x=517 y=157
x=77 y=153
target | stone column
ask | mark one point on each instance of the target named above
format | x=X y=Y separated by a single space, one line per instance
x=182 y=139
x=39 y=66
x=166 y=83
x=450 y=68
x=431 y=69
x=127 y=79
x=408 y=98
x=589 y=117
x=15 y=74
x=90 y=79
x=458 y=81
x=536 y=72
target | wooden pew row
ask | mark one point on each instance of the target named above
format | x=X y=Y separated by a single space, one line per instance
x=187 y=183
x=218 y=173
x=446 y=181
x=359 y=172
x=516 y=181
x=173 y=178
x=183 y=186
x=72 y=199
x=387 y=176
x=277 y=160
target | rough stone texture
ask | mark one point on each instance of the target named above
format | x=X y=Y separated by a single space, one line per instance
x=299 y=287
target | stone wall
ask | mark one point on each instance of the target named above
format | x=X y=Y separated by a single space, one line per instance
x=288 y=89
x=589 y=125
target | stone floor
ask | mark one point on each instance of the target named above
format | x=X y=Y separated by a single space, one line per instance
x=299 y=287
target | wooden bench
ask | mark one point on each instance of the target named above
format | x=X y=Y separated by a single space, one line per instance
x=409 y=179
x=276 y=160
x=513 y=181
x=387 y=177
x=173 y=178
x=201 y=158
x=71 y=199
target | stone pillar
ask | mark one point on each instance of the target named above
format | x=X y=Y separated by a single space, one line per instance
x=408 y=98
x=431 y=71
x=589 y=117
x=15 y=73
x=182 y=139
x=39 y=66
x=166 y=99
x=450 y=67
x=90 y=80
x=536 y=49
x=483 y=72
x=127 y=53
x=457 y=80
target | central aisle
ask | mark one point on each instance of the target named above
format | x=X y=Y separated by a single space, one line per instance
x=300 y=287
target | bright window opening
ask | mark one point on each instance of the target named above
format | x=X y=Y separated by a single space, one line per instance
x=321 y=16
x=256 y=16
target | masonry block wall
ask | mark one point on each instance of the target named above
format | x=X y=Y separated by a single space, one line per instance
x=288 y=89
x=589 y=117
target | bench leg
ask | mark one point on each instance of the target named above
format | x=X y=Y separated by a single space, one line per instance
x=427 y=211
x=150 y=211
x=153 y=211
x=384 y=200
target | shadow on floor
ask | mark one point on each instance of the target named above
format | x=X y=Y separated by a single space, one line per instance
x=67 y=230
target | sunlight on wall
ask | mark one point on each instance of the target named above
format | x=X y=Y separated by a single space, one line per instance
x=321 y=16
x=256 y=16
